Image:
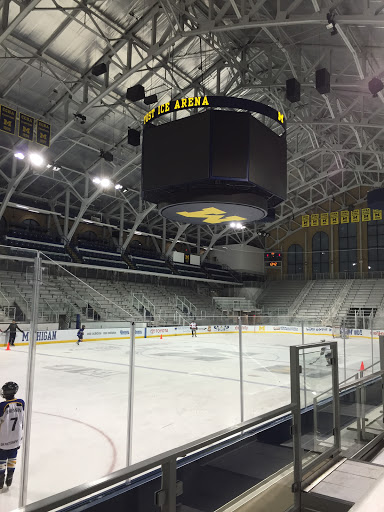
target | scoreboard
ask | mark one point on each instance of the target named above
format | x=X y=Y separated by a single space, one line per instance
x=273 y=260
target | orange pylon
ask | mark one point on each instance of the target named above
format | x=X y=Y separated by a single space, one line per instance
x=8 y=348
x=161 y=336
x=362 y=366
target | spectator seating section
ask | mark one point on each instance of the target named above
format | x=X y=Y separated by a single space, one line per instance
x=150 y=264
x=45 y=243
x=98 y=253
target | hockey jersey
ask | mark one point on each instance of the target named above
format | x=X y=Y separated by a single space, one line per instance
x=193 y=325
x=11 y=423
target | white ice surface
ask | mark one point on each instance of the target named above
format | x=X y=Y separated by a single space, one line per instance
x=184 y=389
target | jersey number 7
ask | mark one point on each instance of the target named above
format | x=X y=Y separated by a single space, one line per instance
x=14 y=423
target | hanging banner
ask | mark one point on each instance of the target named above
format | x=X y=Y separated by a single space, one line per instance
x=26 y=124
x=305 y=221
x=314 y=219
x=344 y=216
x=366 y=214
x=324 y=219
x=43 y=133
x=377 y=214
x=7 y=119
x=355 y=216
x=334 y=217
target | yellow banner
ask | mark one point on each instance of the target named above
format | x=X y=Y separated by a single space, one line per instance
x=305 y=221
x=324 y=219
x=366 y=214
x=377 y=214
x=344 y=215
x=314 y=219
x=334 y=217
x=355 y=216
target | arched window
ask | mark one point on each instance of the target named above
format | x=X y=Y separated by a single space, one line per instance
x=88 y=235
x=375 y=245
x=31 y=224
x=348 y=248
x=320 y=253
x=295 y=259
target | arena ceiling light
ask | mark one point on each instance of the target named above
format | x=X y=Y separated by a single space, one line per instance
x=103 y=182
x=36 y=159
x=19 y=155
x=236 y=225
x=118 y=186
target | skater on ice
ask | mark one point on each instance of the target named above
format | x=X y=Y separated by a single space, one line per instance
x=193 y=327
x=11 y=431
x=80 y=334
x=12 y=332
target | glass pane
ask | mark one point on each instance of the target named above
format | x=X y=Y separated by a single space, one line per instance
x=316 y=390
x=212 y=481
x=266 y=363
x=186 y=387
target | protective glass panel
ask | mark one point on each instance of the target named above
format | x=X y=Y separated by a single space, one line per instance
x=316 y=390
x=187 y=379
x=266 y=364
x=235 y=472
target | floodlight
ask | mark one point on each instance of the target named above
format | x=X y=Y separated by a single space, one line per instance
x=19 y=155
x=105 y=182
x=97 y=181
x=118 y=186
x=233 y=224
x=36 y=159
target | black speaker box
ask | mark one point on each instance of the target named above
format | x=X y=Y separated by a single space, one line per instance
x=323 y=81
x=292 y=90
x=133 y=137
x=148 y=100
x=135 y=93
x=99 y=69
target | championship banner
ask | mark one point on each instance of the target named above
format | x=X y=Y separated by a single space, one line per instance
x=26 y=124
x=334 y=217
x=187 y=259
x=43 y=133
x=366 y=214
x=344 y=215
x=355 y=216
x=324 y=219
x=7 y=119
x=314 y=219
x=305 y=221
x=377 y=214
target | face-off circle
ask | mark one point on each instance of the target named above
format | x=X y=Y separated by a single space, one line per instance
x=212 y=212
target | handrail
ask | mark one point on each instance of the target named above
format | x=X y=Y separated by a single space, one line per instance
x=83 y=490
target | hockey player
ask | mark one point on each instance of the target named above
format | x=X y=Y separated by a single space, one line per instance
x=12 y=332
x=193 y=327
x=80 y=334
x=11 y=431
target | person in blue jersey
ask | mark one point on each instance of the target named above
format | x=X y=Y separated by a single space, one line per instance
x=11 y=431
x=80 y=334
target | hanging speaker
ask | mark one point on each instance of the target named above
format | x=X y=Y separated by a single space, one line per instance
x=133 y=137
x=99 y=69
x=292 y=90
x=323 y=81
x=135 y=93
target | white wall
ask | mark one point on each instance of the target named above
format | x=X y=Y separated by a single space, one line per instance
x=240 y=257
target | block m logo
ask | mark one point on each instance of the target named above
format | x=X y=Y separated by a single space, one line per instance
x=211 y=216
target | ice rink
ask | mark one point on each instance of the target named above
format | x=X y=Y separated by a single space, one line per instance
x=184 y=389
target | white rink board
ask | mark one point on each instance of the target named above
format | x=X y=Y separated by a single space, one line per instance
x=68 y=336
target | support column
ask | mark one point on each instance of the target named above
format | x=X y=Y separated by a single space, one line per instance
x=198 y=244
x=360 y=248
x=305 y=254
x=164 y=239
x=332 y=268
x=121 y=231
x=66 y=212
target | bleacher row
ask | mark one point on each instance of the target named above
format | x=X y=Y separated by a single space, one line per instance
x=326 y=301
x=99 y=253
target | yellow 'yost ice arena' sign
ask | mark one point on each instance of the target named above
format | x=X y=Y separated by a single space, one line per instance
x=211 y=216
x=194 y=101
